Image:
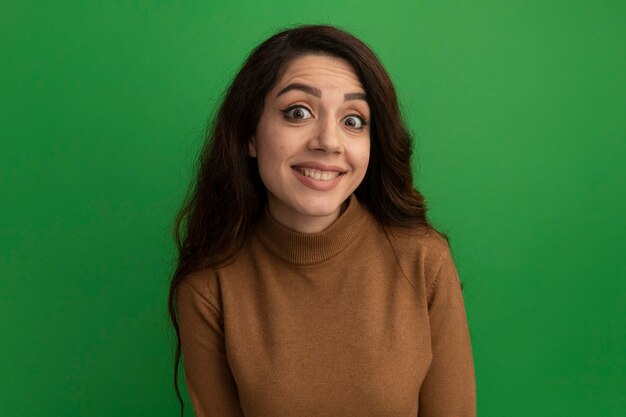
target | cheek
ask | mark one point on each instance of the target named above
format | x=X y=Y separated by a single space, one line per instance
x=277 y=145
x=273 y=153
x=362 y=156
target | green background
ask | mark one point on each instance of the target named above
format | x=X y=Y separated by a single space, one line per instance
x=517 y=111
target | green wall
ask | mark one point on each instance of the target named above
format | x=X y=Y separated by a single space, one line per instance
x=517 y=110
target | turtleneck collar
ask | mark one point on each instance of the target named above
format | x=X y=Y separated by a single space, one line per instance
x=310 y=248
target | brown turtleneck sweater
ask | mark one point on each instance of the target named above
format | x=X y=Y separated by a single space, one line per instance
x=349 y=322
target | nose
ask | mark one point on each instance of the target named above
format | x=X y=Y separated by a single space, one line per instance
x=327 y=137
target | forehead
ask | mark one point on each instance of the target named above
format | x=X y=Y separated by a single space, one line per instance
x=325 y=72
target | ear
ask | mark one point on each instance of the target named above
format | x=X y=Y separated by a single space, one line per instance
x=252 y=147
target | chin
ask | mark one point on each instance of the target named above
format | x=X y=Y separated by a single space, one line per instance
x=320 y=207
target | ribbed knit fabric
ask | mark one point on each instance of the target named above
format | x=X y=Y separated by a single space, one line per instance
x=306 y=249
x=353 y=321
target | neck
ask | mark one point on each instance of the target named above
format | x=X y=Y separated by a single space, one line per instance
x=303 y=223
x=309 y=248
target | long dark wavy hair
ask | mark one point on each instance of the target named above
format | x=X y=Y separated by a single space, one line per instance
x=227 y=197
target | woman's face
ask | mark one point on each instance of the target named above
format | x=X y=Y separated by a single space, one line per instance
x=312 y=141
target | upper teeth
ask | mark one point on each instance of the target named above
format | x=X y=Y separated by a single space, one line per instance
x=319 y=175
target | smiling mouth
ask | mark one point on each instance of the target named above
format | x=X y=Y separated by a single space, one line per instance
x=316 y=174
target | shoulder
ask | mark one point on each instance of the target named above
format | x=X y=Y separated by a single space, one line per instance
x=202 y=285
x=420 y=241
x=420 y=251
x=207 y=281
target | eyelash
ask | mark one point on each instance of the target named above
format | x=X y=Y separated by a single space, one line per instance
x=364 y=121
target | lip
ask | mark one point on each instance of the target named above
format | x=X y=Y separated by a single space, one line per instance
x=320 y=167
x=314 y=184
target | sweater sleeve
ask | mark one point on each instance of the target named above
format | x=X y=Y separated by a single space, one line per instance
x=449 y=388
x=209 y=381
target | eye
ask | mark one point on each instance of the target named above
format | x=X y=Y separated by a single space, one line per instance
x=355 y=121
x=298 y=112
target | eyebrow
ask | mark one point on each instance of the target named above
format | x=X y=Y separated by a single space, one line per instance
x=318 y=93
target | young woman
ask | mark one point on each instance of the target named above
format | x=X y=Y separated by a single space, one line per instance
x=310 y=282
